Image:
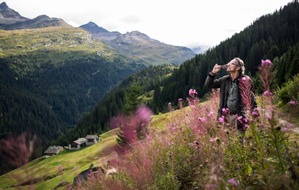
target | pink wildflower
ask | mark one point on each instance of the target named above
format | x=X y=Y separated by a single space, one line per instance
x=60 y=167
x=245 y=78
x=244 y=122
x=266 y=62
x=221 y=119
x=203 y=119
x=180 y=103
x=268 y=93
x=255 y=113
x=225 y=111
x=292 y=102
x=17 y=150
x=233 y=182
x=192 y=93
x=210 y=114
x=144 y=114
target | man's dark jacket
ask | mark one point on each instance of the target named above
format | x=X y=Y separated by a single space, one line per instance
x=224 y=84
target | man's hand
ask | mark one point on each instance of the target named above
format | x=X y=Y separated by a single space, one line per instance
x=216 y=69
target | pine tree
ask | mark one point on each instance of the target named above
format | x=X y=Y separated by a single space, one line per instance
x=131 y=98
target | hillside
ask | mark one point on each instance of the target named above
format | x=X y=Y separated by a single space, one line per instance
x=96 y=121
x=169 y=133
x=44 y=173
x=51 y=76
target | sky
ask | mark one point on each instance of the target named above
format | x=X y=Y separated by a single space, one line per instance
x=189 y=23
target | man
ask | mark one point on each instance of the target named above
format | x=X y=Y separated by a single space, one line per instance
x=236 y=93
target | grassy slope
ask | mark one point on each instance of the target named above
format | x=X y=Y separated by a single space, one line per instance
x=73 y=162
x=15 y=42
x=28 y=49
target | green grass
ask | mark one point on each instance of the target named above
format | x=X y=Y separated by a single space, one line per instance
x=72 y=162
x=63 y=39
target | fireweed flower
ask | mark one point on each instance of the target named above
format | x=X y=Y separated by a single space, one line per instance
x=144 y=114
x=180 y=101
x=210 y=114
x=244 y=121
x=192 y=93
x=225 y=111
x=266 y=62
x=233 y=182
x=255 y=113
x=268 y=93
x=221 y=119
x=245 y=78
x=203 y=119
x=293 y=102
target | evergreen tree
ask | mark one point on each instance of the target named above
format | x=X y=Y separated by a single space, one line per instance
x=131 y=98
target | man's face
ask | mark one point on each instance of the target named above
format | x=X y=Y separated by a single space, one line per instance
x=233 y=66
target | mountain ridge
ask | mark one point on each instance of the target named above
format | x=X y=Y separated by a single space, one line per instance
x=12 y=20
x=140 y=46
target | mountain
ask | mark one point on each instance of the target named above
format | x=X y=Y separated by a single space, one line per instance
x=141 y=47
x=12 y=20
x=9 y=16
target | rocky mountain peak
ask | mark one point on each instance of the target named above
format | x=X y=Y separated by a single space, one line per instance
x=12 y=20
x=94 y=28
x=9 y=16
x=3 y=6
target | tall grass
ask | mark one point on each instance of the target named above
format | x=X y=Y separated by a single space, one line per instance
x=198 y=151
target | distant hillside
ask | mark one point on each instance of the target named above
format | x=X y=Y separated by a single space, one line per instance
x=141 y=47
x=97 y=120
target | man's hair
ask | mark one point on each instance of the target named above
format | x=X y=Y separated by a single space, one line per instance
x=241 y=64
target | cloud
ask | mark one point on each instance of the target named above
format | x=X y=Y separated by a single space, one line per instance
x=72 y=23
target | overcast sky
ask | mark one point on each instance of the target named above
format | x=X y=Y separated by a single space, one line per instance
x=190 y=23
